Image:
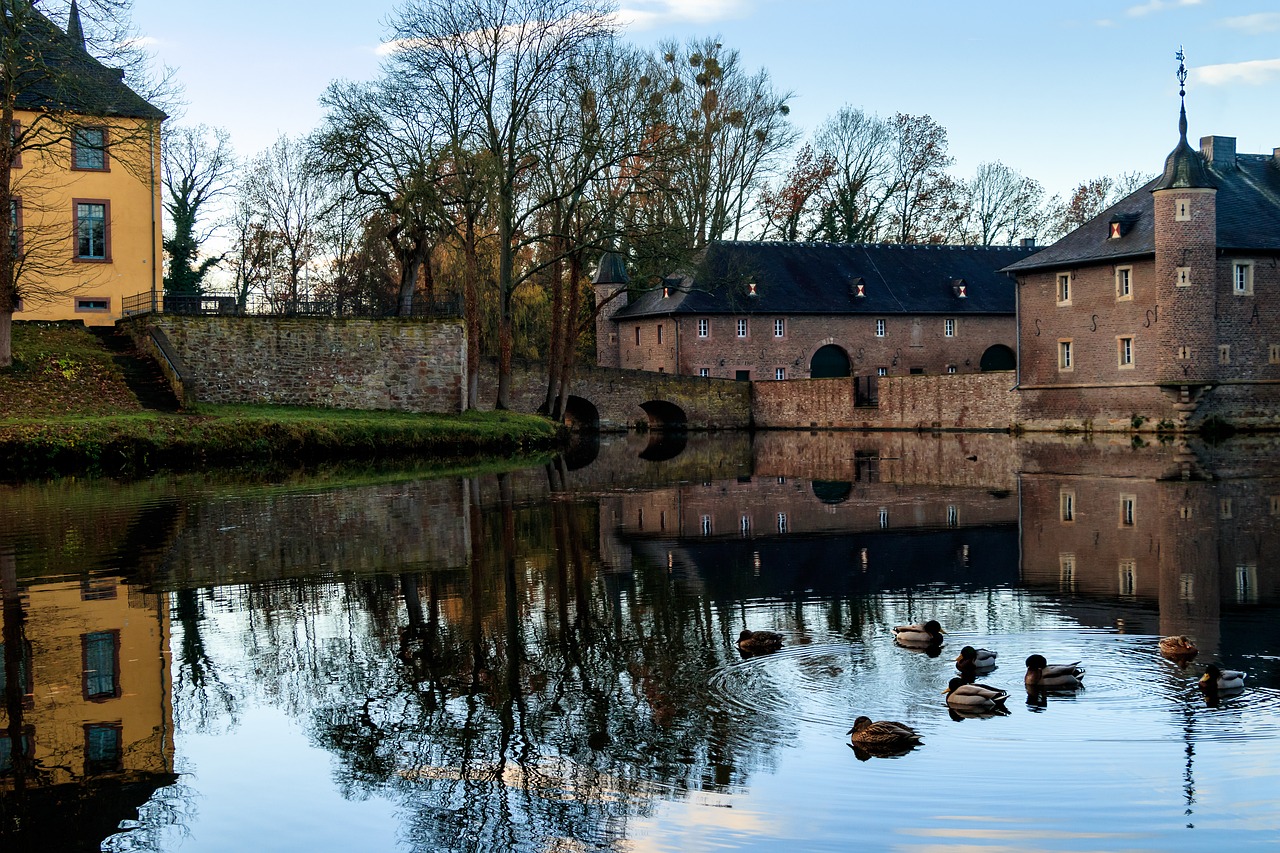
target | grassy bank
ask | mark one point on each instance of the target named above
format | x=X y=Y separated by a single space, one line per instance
x=64 y=408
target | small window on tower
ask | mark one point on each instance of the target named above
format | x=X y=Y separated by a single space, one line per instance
x=1184 y=277
x=1182 y=209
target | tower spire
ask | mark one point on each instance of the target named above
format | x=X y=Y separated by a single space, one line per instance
x=1182 y=91
x=75 y=31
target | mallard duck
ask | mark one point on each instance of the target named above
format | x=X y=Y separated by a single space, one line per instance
x=1180 y=646
x=927 y=634
x=974 y=697
x=1042 y=674
x=882 y=733
x=970 y=657
x=752 y=643
x=1224 y=680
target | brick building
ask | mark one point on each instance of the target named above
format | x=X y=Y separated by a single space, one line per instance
x=765 y=311
x=1165 y=308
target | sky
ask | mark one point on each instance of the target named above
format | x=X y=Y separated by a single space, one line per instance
x=1059 y=90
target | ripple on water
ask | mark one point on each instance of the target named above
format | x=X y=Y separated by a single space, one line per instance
x=1130 y=692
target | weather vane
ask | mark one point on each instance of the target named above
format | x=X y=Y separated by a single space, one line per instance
x=1182 y=72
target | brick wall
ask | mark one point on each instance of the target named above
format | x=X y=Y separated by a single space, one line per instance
x=909 y=342
x=407 y=365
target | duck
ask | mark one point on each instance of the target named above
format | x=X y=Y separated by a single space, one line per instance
x=1178 y=647
x=752 y=643
x=974 y=697
x=921 y=634
x=1041 y=674
x=980 y=658
x=1224 y=680
x=882 y=733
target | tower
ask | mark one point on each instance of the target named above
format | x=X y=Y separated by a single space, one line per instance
x=1186 y=228
x=610 y=286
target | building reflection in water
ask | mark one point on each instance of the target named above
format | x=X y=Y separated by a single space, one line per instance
x=86 y=734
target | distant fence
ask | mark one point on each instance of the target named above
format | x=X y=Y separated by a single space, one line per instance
x=232 y=305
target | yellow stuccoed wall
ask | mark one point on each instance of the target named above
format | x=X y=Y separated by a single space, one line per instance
x=46 y=185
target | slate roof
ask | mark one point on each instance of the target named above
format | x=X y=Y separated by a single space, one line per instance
x=822 y=278
x=66 y=78
x=1248 y=210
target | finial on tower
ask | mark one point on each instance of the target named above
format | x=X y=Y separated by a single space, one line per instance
x=74 y=29
x=1182 y=90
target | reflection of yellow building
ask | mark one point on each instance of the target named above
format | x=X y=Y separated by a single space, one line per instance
x=97 y=714
x=86 y=186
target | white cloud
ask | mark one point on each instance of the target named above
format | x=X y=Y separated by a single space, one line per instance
x=647 y=14
x=1262 y=22
x=1158 y=6
x=1254 y=72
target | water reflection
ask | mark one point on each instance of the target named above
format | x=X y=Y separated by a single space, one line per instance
x=547 y=658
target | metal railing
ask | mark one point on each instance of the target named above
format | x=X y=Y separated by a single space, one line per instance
x=256 y=305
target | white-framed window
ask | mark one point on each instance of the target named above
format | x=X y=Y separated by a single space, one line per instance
x=1184 y=353
x=879 y=328
x=951 y=368
x=1067 y=572
x=779 y=327
x=1182 y=210
x=1242 y=278
x=1067 y=506
x=93 y=233
x=704 y=327
x=89 y=149
x=706 y=525
x=742 y=327
x=782 y=522
x=1184 y=277
x=704 y=372
x=659 y=333
x=1065 y=356
x=953 y=515
x=1128 y=510
x=1064 y=288
x=1124 y=352
x=884 y=516
x=1224 y=353
x=949 y=327
x=1124 y=282
x=1246 y=583
x=744 y=524
x=779 y=373
x=882 y=371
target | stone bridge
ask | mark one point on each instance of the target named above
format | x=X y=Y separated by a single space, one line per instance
x=613 y=399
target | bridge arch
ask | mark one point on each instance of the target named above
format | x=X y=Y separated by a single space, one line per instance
x=830 y=361
x=664 y=415
x=998 y=357
x=581 y=414
x=832 y=491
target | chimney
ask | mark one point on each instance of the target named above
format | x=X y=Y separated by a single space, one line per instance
x=1027 y=242
x=1219 y=151
x=1275 y=155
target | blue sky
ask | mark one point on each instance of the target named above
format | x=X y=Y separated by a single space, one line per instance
x=1060 y=91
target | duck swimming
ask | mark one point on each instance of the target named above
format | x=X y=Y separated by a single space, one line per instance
x=921 y=634
x=882 y=733
x=755 y=643
x=1179 y=647
x=1223 y=680
x=1041 y=674
x=974 y=697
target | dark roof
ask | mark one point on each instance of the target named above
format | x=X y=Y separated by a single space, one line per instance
x=63 y=76
x=612 y=270
x=1248 y=212
x=822 y=278
x=1184 y=168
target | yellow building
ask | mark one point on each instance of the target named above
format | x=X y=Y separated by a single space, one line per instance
x=85 y=185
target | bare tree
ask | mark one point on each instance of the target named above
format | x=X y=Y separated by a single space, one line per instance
x=490 y=66
x=786 y=208
x=853 y=197
x=253 y=249
x=734 y=127
x=290 y=194
x=1002 y=204
x=198 y=169
x=918 y=188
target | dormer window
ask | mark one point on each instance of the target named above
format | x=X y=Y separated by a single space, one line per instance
x=666 y=292
x=751 y=288
x=960 y=288
x=860 y=291
x=1120 y=225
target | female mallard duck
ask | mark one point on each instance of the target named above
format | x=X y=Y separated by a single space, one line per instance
x=974 y=697
x=752 y=643
x=1179 y=648
x=927 y=634
x=882 y=733
x=1223 y=680
x=1044 y=675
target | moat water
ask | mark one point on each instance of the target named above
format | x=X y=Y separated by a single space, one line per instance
x=544 y=659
